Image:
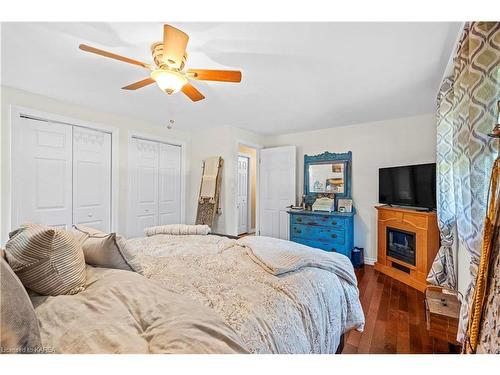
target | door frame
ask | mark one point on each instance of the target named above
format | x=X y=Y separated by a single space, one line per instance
x=9 y=195
x=249 y=211
x=257 y=148
x=160 y=139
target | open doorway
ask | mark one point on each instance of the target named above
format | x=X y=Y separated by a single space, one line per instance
x=246 y=202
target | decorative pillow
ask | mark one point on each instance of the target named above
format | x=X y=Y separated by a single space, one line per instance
x=19 y=331
x=47 y=260
x=104 y=249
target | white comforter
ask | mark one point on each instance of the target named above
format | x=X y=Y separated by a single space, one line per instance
x=299 y=312
x=123 y=312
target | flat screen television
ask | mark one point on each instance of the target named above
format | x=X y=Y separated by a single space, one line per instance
x=411 y=185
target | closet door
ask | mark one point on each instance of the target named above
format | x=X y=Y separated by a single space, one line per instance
x=41 y=173
x=169 y=209
x=143 y=186
x=92 y=178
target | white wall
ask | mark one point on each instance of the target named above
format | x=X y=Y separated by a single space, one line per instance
x=218 y=141
x=11 y=96
x=374 y=145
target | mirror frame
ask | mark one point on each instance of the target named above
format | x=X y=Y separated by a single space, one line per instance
x=328 y=158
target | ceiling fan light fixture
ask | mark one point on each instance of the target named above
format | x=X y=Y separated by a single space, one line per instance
x=169 y=56
x=168 y=80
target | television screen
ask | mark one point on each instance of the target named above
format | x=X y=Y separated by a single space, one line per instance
x=412 y=185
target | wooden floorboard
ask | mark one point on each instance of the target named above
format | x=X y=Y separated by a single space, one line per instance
x=395 y=318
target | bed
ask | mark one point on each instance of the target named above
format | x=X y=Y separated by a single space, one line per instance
x=305 y=311
x=207 y=294
x=122 y=312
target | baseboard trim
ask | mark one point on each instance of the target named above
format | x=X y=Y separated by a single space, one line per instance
x=370 y=261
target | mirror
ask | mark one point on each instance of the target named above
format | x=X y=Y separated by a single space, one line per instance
x=327 y=178
x=327 y=174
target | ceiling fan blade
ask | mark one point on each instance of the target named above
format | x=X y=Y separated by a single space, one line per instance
x=101 y=52
x=215 y=75
x=138 y=85
x=192 y=92
x=174 y=46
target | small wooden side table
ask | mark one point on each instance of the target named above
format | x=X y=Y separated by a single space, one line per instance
x=442 y=314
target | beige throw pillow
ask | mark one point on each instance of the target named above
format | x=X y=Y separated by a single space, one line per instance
x=47 y=260
x=19 y=331
x=104 y=249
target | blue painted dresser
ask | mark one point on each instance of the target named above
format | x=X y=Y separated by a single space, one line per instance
x=326 y=175
x=324 y=230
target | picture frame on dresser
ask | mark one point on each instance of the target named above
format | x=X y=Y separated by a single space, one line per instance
x=344 y=205
x=331 y=231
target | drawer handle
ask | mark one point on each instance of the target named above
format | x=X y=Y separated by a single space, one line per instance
x=334 y=249
x=298 y=231
x=334 y=222
x=334 y=235
x=89 y=215
x=299 y=220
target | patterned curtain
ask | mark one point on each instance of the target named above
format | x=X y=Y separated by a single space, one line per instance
x=475 y=88
x=443 y=269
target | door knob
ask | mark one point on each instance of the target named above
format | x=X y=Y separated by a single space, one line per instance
x=89 y=215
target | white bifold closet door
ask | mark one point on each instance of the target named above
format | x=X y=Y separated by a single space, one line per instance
x=61 y=175
x=91 y=178
x=42 y=173
x=155 y=185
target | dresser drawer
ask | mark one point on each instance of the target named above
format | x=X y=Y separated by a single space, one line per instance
x=322 y=245
x=333 y=222
x=317 y=233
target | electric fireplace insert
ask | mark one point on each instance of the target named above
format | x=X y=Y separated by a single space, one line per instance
x=401 y=245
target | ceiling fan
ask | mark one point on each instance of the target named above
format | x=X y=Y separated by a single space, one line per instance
x=168 y=70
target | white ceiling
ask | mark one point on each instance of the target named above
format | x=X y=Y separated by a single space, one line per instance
x=296 y=76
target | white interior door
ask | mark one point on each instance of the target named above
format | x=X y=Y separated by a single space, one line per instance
x=42 y=173
x=277 y=190
x=242 y=199
x=143 y=186
x=169 y=211
x=92 y=178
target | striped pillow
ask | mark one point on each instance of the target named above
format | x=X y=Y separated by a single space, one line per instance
x=47 y=260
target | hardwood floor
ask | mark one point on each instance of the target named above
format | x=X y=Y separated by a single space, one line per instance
x=395 y=318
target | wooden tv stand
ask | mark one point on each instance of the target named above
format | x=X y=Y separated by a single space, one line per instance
x=424 y=225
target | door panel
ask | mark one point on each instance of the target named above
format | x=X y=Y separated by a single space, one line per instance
x=92 y=178
x=169 y=184
x=277 y=190
x=143 y=186
x=42 y=173
x=242 y=199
